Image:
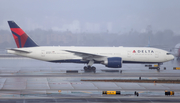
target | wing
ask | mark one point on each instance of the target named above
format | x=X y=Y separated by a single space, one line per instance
x=86 y=56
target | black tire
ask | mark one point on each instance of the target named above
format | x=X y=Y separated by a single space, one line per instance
x=89 y=67
x=85 y=68
x=158 y=68
x=93 y=68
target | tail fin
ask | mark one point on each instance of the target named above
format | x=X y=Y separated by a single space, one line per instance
x=20 y=37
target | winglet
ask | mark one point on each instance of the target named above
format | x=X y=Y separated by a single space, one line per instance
x=20 y=37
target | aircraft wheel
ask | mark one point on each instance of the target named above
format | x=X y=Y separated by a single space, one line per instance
x=89 y=67
x=94 y=69
x=85 y=68
x=158 y=68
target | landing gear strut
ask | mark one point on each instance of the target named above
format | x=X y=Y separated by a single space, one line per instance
x=89 y=69
x=158 y=68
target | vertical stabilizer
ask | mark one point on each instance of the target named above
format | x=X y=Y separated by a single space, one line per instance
x=20 y=37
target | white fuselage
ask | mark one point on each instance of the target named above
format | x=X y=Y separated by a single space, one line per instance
x=109 y=56
x=128 y=54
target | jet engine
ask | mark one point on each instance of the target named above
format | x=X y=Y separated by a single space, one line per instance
x=113 y=62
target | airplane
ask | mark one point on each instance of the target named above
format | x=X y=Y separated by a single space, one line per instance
x=176 y=51
x=112 y=57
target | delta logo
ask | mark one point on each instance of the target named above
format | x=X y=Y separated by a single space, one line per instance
x=143 y=51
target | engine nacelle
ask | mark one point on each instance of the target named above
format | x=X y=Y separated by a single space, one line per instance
x=113 y=62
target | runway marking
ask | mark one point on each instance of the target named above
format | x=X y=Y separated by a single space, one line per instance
x=142 y=86
x=48 y=83
x=95 y=85
x=86 y=92
x=3 y=83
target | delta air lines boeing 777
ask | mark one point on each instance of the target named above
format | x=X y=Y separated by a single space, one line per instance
x=112 y=57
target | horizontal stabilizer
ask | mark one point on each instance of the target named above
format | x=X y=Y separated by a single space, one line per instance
x=23 y=51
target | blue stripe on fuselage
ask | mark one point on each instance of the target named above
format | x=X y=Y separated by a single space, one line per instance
x=140 y=62
x=71 y=61
x=80 y=61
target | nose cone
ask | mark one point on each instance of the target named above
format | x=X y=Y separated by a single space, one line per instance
x=170 y=57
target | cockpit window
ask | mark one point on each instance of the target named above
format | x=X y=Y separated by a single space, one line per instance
x=168 y=53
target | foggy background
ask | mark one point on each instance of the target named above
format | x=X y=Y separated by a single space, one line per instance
x=93 y=22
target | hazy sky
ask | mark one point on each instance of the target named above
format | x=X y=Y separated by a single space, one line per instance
x=91 y=15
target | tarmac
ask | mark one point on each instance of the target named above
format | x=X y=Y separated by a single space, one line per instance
x=27 y=80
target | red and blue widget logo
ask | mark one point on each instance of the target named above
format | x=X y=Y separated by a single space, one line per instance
x=20 y=37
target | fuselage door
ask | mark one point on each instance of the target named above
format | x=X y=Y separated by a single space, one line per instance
x=156 y=54
x=43 y=52
x=129 y=54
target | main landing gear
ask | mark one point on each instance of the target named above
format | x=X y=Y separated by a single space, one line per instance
x=90 y=68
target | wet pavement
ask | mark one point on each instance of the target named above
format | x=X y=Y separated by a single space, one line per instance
x=28 y=80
